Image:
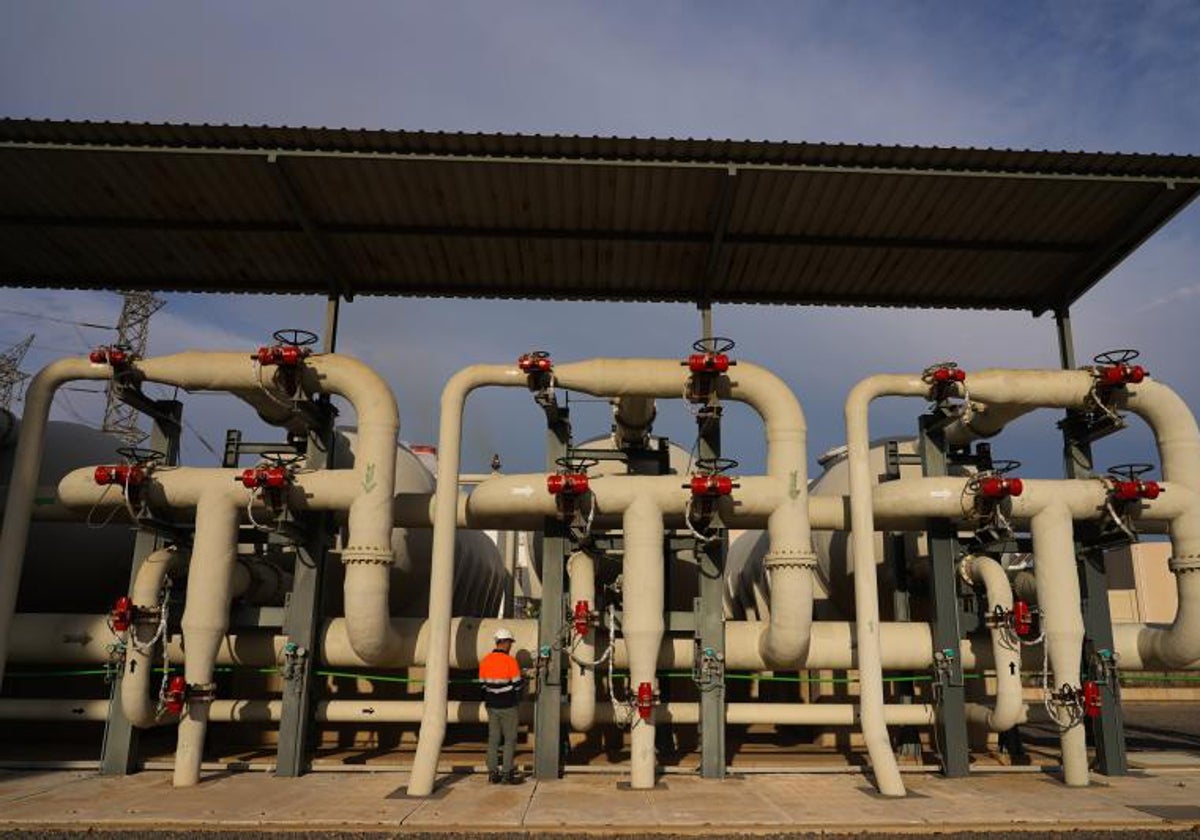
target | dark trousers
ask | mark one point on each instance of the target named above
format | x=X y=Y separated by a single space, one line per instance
x=502 y=724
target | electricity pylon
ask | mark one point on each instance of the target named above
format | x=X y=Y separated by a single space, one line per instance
x=132 y=331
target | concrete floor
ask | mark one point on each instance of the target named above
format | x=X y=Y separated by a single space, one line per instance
x=593 y=802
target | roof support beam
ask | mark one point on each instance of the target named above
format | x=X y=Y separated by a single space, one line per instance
x=715 y=239
x=335 y=272
x=721 y=212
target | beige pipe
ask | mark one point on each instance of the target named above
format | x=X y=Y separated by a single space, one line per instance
x=633 y=419
x=441 y=583
x=27 y=461
x=642 y=624
x=1062 y=624
x=139 y=707
x=790 y=560
x=866 y=587
x=581 y=676
x=1010 y=709
x=206 y=617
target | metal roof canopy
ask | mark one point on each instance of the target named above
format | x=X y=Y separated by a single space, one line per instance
x=197 y=208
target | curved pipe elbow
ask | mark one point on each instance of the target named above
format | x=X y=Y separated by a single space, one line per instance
x=785 y=640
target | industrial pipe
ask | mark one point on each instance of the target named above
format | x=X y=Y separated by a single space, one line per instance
x=581 y=679
x=642 y=627
x=633 y=419
x=147 y=596
x=1010 y=709
x=866 y=587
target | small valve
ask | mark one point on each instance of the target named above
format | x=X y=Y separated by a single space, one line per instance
x=708 y=485
x=291 y=347
x=1125 y=483
x=709 y=360
x=567 y=484
x=266 y=478
x=708 y=363
x=1113 y=370
x=535 y=362
x=941 y=378
x=1090 y=698
x=582 y=618
x=175 y=695
x=645 y=700
x=115 y=355
x=126 y=475
x=945 y=373
x=993 y=485
x=1021 y=618
x=122 y=615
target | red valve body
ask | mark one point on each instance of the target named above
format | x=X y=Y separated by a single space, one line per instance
x=530 y=363
x=948 y=374
x=1091 y=699
x=284 y=355
x=271 y=478
x=1022 y=618
x=711 y=485
x=129 y=475
x=645 y=700
x=567 y=484
x=1134 y=489
x=1113 y=376
x=121 y=616
x=708 y=363
x=175 y=696
x=582 y=617
x=994 y=488
x=114 y=356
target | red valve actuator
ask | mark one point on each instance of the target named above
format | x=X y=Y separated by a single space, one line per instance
x=129 y=475
x=582 y=617
x=176 y=695
x=567 y=484
x=1131 y=491
x=994 y=488
x=535 y=363
x=114 y=356
x=948 y=374
x=711 y=485
x=1022 y=618
x=645 y=700
x=1091 y=699
x=284 y=355
x=708 y=363
x=1113 y=376
x=272 y=478
x=121 y=616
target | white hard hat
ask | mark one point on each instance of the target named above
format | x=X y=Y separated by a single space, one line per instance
x=504 y=635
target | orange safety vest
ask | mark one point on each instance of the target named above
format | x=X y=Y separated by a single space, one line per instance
x=501 y=678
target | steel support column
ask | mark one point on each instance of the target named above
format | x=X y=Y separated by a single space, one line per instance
x=951 y=725
x=1107 y=730
x=119 y=754
x=710 y=622
x=547 y=758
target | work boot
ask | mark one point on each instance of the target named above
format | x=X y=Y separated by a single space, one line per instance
x=514 y=777
x=494 y=778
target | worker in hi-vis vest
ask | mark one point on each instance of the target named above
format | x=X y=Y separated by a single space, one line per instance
x=502 y=682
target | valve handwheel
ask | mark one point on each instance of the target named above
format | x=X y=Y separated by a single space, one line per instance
x=1003 y=466
x=141 y=456
x=716 y=344
x=576 y=465
x=1131 y=471
x=281 y=459
x=715 y=466
x=295 y=338
x=1116 y=357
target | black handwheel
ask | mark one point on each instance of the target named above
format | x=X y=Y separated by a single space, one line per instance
x=140 y=455
x=1130 y=472
x=716 y=344
x=537 y=354
x=280 y=459
x=1004 y=465
x=713 y=466
x=295 y=338
x=576 y=465
x=1116 y=357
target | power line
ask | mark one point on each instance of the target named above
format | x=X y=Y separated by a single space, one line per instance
x=41 y=317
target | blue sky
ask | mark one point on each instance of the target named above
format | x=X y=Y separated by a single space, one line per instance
x=1110 y=76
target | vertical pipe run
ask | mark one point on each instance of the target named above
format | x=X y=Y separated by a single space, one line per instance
x=205 y=620
x=581 y=569
x=1062 y=624
x=642 y=623
x=1009 y=709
